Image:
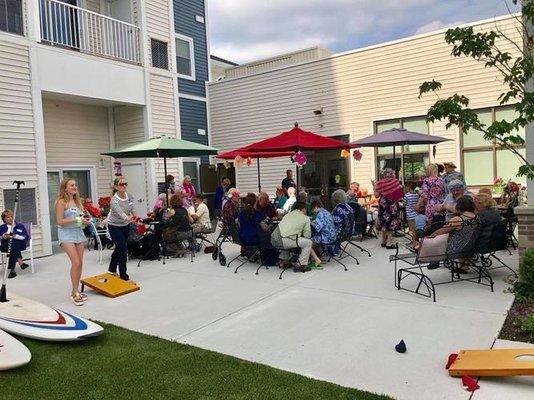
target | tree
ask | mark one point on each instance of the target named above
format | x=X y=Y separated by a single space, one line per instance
x=517 y=73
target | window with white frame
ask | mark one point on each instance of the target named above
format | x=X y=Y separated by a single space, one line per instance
x=185 y=59
x=482 y=160
x=414 y=157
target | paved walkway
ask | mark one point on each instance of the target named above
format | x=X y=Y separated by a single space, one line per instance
x=330 y=324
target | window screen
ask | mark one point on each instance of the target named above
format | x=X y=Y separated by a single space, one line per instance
x=11 y=16
x=160 y=57
x=27 y=209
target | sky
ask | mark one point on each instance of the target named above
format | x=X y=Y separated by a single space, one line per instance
x=248 y=30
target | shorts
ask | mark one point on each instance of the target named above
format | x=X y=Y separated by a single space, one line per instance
x=70 y=235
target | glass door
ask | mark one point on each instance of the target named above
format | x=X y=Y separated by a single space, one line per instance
x=53 y=188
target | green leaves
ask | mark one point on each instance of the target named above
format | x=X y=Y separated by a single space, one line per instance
x=429 y=86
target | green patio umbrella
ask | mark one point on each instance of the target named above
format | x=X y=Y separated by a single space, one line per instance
x=162 y=147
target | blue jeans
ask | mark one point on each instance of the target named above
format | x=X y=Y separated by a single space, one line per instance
x=119 y=257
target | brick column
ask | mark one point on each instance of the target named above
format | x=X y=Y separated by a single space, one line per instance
x=525 y=216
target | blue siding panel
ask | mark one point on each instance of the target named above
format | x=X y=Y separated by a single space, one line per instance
x=186 y=24
x=193 y=116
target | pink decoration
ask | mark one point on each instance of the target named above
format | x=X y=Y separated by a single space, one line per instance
x=357 y=154
x=248 y=161
x=238 y=161
x=300 y=158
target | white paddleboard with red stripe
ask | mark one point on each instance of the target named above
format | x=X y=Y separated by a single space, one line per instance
x=28 y=318
x=13 y=354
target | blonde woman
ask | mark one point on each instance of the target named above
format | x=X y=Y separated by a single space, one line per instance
x=70 y=221
x=121 y=215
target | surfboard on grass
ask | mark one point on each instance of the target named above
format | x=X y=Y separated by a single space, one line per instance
x=24 y=317
x=13 y=354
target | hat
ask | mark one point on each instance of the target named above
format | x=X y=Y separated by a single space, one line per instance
x=456 y=184
x=449 y=164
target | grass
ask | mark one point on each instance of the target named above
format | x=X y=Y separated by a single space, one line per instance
x=122 y=364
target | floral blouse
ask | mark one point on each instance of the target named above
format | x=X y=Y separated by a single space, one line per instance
x=343 y=217
x=433 y=192
x=323 y=228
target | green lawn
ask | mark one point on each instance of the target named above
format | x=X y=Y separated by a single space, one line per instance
x=122 y=364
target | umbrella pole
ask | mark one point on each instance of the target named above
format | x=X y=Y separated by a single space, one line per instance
x=394 y=161
x=402 y=167
x=259 y=181
x=166 y=183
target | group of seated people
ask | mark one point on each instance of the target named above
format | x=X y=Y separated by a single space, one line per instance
x=297 y=224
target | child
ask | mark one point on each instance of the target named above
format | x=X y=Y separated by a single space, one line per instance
x=410 y=200
x=420 y=223
x=20 y=237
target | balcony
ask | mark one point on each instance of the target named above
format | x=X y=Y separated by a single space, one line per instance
x=85 y=31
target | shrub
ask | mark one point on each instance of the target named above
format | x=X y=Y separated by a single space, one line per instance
x=528 y=324
x=524 y=287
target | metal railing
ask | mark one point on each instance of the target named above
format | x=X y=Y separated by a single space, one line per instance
x=88 y=32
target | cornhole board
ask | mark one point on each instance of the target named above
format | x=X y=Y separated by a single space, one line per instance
x=24 y=317
x=109 y=285
x=497 y=362
x=13 y=354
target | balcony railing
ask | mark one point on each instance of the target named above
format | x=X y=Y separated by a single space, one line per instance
x=88 y=32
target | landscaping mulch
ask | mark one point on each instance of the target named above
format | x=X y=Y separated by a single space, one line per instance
x=511 y=330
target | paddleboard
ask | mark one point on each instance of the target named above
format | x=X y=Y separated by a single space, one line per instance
x=24 y=317
x=13 y=354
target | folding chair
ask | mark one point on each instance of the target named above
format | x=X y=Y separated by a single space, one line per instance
x=253 y=251
x=203 y=235
x=225 y=236
x=294 y=253
x=493 y=237
x=340 y=250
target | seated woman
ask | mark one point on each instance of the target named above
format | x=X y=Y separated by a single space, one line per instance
x=486 y=209
x=280 y=198
x=231 y=208
x=290 y=202
x=323 y=228
x=303 y=198
x=249 y=223
x=342 y=215
x=462 y=230
x=265 y=207
x=178 y=226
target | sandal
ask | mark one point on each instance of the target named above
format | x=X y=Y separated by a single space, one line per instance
x=77 y=299
x=83 y=296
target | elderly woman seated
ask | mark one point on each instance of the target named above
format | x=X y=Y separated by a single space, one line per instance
x=342 y=215
x=303 y=198
x=265 y=207
x=462 y=230
x=291 y=200
x=457 y=189
x=178 y=225
x=323 y=229
x=486 y=209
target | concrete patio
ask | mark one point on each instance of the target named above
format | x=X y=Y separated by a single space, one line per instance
x=326 y=324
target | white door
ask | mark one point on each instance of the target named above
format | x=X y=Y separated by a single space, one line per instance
x=135 y=176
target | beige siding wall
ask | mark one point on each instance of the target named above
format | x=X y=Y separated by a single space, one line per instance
x=129 y=125
x=75 y=135
x=93 y=5
x=354 y=89
x=17 y=132
x=157 y=19
x=162 y=107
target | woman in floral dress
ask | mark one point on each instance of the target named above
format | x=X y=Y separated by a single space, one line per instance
x=432 y=192
x=389 y=189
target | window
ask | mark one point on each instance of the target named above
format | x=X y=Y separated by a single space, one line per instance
x=185 y=60
x=26 y=209
x=414 y=157
x=160 y=58
x=191 y=169
x=483 y=161
x=11 y=16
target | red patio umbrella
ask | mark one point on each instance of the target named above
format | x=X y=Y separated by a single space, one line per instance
x=298 y=139
x=245 y=152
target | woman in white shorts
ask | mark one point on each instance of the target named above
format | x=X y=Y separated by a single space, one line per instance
x=70 y=223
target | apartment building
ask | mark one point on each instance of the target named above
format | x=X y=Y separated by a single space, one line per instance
x=78 y=77
x=357 y=93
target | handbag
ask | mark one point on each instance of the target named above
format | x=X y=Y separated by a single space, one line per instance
x=433 y=248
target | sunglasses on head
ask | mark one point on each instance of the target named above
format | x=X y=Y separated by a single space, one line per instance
x=123 y=184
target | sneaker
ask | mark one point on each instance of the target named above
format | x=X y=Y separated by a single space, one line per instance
x=12 y=274
x=433 y=265
x=24 y=266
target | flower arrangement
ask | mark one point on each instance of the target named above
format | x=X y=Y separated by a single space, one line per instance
x=103 y=203
x=498 y=186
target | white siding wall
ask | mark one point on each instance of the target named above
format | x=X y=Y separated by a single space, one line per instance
x=162 y=104
x=157 y=19
x=75 y=135
x=354 y=90
x=129 y=125
x=17 y=134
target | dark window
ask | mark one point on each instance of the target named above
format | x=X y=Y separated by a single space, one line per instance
x=184 y=57
x=11 y=16
x=26 y=209
x=160 y=58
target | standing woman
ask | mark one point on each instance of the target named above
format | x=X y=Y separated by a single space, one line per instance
x=121 y=214
x=389 y=189
x=188 y=192
x=432 y=192
x=70 y=222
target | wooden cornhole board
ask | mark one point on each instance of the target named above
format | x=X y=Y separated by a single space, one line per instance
x=109 y=285
x=498 y=362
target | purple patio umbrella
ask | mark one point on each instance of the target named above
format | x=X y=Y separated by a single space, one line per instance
x=397 y=137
